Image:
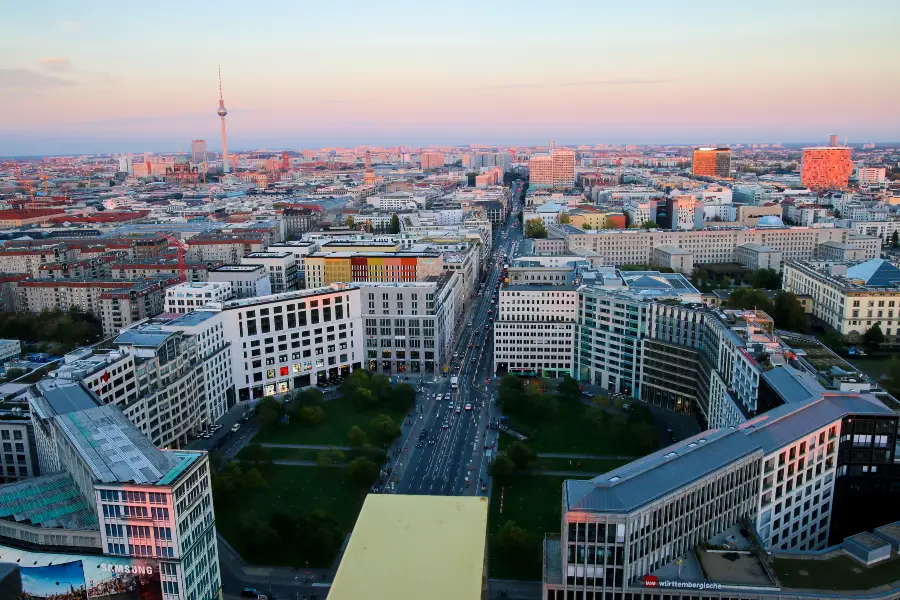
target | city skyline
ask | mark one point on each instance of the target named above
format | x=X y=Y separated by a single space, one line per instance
x=91 y=80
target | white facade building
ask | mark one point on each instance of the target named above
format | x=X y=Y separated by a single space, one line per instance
x=188 y=297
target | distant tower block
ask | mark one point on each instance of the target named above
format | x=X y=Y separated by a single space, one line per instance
x=285 y=161
x=222 y=112
x=832 y=140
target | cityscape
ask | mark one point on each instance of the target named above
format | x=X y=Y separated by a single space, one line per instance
x=398 y=302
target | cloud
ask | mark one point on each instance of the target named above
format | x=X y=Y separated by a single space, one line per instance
x=28 y=80
x=57 y=64
x=571 y=84
x=71 y=26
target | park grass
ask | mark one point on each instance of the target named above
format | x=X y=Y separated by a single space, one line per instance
x=585 y=465
x=333 y=432
x=876 y=367
x=308 y=454
x=534 y=502
x=297 y=490
x=572 y=432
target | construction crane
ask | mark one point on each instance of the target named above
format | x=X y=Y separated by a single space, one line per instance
x=182 y=247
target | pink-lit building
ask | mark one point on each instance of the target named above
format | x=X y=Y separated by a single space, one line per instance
x=432 y=160
x=552 y=169
x=826 y=168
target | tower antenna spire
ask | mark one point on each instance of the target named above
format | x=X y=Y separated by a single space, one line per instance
x=222 y=112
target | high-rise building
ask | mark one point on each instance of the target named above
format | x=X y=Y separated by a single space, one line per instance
x=712 y=162
x=432 y=160
x=198 y=151
x=552 y=169
x=826 y=167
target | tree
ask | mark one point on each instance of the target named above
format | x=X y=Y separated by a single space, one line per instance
x=349 y=221
x=513 y=543
x=587 y=226
x=521 y=455
x=358 y=437
x=257 y=455
x=269 y=411
x=313 y=415
x=766 y=279
x=309 y=397
x=256 y=533
x=383 y=429
x=564 y=218
x=14 y=373
x=330 y=457
x=835 y=341
x=874 y=336
x=395 y=224
x=502 y=468
x=402 y=397
x=748 y=298
x=374 y=453
x=788 y=313
x=362 y=471
x=895 y=239
x=511 y=395
x=319 y=535
x=650 y=225
x=534 y=228
x=569 y=388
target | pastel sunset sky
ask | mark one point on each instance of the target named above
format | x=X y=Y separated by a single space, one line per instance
x=103 y=76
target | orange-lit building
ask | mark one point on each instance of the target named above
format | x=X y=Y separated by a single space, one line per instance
x=826 y=167
x=712 y=162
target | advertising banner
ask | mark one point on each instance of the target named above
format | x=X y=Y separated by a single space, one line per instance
x=122 y=579
x=64 y=581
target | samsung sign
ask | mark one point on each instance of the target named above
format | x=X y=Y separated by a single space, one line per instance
x=654 y=582
x=135 y=569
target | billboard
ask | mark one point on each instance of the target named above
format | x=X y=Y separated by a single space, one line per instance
x=64 y=581
x=122 y=579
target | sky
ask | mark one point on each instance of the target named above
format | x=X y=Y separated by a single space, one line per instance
x=102 y=76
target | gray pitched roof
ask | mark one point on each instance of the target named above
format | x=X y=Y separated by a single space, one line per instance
x=793 y=385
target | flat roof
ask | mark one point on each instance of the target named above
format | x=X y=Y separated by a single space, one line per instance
x=240 y=268
x=411 y=547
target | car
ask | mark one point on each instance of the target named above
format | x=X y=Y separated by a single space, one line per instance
x=216 y=427
x=490 y=312
x=448 y=396
x=420 y=444
x=235 y=427
x=626 y=406
x=438 y=397
x=445 y=425
x=487 y=325
x=451 y=405
x=473 y=360
x=674 y=439
x=478 y=345
x=250 y=592
x=458 y=410
x=587 y=394
x=468 y=407
x=431 y=442
x=669 y=429
x=470 y=345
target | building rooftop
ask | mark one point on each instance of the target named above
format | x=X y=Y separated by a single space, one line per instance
x=58 y=397
x=52 y=501
x=268 y=255
x=793 y=385
x=237 y=268
x=191 y=319
x=406 y=547
x=295 y=295
x=143 y=337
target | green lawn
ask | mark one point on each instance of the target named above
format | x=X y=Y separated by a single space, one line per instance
x=839 y=573
x=300 y=490
x=875 y=367
x=534 y=502
x=571 y=432
x=587 y=465
x=300 y=454
x=341 y=417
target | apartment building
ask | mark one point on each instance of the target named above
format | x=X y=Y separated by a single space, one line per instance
x=299 y=219
x=163 y=267
x=226 y=248
x=293 y=340
x=385 y=267
x=86 y=268
x=30 y=259
x=431 y=160
x=188 y=297
x=630 y=532
x=635 y=247
x=552 y=169
x=410 y=327
x=712 y=162
x=247 y=281
x=108 y=496
x=281 y=267
x=851 y=297
x=534 y=332
x=757 y=256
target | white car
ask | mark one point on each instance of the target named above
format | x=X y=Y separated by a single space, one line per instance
x=458 y=410
x=468 y=407
x=235 y=427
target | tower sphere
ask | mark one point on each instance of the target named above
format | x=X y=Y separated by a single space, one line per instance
x=221 y=112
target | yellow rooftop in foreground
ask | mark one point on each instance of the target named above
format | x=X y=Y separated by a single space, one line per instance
x=414 y=547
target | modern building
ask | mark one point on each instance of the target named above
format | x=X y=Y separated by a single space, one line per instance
x=281 y=267
x=552 y=169
x=108 y=496
x=247 y=281
x=18 y=460
x=431 y=160
x=850 y=297
x=325 y=268
x=198 y=152
x=712 y=162
x=188 y=297
x=143 y=269
x=293 y=340
x=10 y=350
x=410 y=327
x=826 y=167
x=441 y=538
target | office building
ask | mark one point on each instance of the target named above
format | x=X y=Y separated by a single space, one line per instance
x=188 y=297
x=555 y=168
x=10 y=350
x=143 y=269
x=324 y=268
x=850 y=297
x=247 y=281
x=281 y=267
x=432 y=160
x=712 y=162
x=870 y=175
x=826 y=168
x=411 y=327
x=293 y=340
x=198 y=152
x=18 y=460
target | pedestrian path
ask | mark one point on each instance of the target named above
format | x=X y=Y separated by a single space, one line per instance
x=306 y=446
x=592 y=456
x=300 y=463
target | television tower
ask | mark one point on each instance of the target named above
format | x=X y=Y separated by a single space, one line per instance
x=222 y=112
